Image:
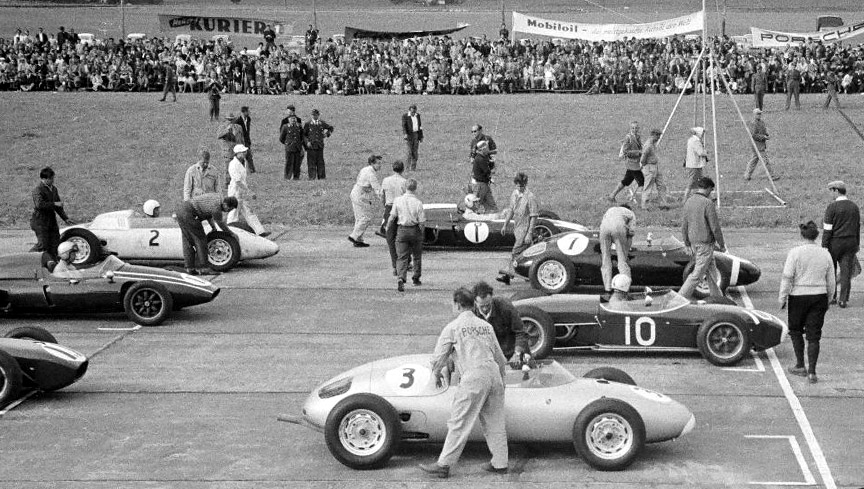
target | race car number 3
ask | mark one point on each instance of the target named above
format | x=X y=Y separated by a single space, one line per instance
x=476 y=232
x=408 y=379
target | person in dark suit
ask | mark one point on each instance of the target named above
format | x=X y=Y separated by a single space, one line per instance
x=314 y=132
x=793 y=85
x=413 y=129
x=759 y=83
x=292 y=137
x=47 y=203
x=842 y=236
x=290 y=111
x=245 y=124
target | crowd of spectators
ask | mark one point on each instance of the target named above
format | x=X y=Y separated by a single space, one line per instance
x=428 y=65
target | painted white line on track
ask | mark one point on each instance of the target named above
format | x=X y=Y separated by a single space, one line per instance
x=797 y=409
x=809 y=480
x=133 y=328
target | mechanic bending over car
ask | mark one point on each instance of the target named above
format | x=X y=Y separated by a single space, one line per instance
x=470 y=342
x=205 y=207
x=65 y=257
x=505 y=320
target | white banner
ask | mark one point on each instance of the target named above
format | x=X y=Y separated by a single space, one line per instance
x=773 y=39
x=608 y=32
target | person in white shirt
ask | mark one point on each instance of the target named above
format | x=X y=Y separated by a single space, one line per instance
x=201 y=178
x=412 y=126
x=366 y=190
x=695 y=161
x=239 y=189
x=409 y=215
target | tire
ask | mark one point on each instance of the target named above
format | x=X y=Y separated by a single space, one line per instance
x=223 y=251
x=148 y=303
x=363 y=431
x=722 y=340
x=547 y=214
x=89 y=246
x=540 y=330
x=609 y=434
x=10 y=379
x=702 y=290
x=552 y=274
x=611 y=374
x=542 y=231
x=32 y=333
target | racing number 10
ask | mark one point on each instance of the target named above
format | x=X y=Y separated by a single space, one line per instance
x=637 y=329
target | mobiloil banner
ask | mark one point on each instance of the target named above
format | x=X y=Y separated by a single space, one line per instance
x=763 y=38
x=196 y=24
x=607 y=32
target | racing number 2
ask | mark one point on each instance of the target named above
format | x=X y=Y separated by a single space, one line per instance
x=638 y=330
x=154 y=237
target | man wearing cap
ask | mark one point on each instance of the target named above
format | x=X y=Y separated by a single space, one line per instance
x=408 y=214
x=695 y=160
x=206 y=207
x=523 y=210
x=631 y=152
x=363 y=196
x=413 y=129
x=654 y=181
x=314 y=132
x=239 y=189
x=201 y=178
x=616 y=228
x=46 y=207
x=245 y=124
x=759 y=134
x=702 y=234
x=842 y=237
x=291 y=136
x=289 y=111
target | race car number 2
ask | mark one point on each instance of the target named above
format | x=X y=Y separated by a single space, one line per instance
x=476 y=232
x=408 y=379
x=638 y=329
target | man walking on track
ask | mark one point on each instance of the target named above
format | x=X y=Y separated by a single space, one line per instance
x=702 y=234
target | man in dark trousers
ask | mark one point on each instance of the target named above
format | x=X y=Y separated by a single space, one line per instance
x=205 y=207
x=292 y=137
x=170 y=81
x=314 y=132
x=413 y=129
x=47 y=203
x=759 y=83
x=505 y=320
x=702 y=234
x=842 y=236
x=793 y=85
x=481 y=177
x=245 y=124
x=831 y=88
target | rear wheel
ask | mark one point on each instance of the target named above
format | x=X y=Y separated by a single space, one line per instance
x=362 y=431
x=552 y=274
x=611 y=374
x=723 y=341
x=89 y=246
x=32 y=333
x=223 y=251
x=540 y=330
x=10 y=379
x=609 y=434
x=148 y=303
x=542 y=231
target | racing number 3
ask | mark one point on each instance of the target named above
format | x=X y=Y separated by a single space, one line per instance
x=408 y=373
x=637 y=328
x=154 y=237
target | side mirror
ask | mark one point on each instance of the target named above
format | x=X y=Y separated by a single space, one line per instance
x=109 y=275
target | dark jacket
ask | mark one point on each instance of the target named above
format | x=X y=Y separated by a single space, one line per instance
x=408 y=128
x=507 y=323
x=291 y=137
x=44 y=209
x=844 y=218
x=482 y=170
x=700 y=224
x=246 y=128
x=314 y=134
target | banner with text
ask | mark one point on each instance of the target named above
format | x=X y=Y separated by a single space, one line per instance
x=763 y=38
x=195 y=24
x=608 y=32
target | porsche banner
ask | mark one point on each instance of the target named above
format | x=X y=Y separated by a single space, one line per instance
x=192 y=24
x=763 y=38
x=608 y=32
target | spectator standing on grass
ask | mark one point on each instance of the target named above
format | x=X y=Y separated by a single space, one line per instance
x=505 y=320
x=289 y=111
x=523 y=210
x=759 y=133
x=694 y=161
x=314 y=133
x=392 y=187
x=46 y=207
x=229 y=135
x=631 y=153
x=759 y=83
x=793 y=85
x=363 y=196
x=213 y=96
x=617 y=227
x=413 y=129
x=481 y=176
x=291 y=137
x=239 y=189
x=831 y=88
x=206 y=207
x=477 y=136
x=245 y=123
x=806 y=284
x=201 y=178
x=410 y=218
x=654 y=181
x=842 y=236
x=702 y=234
x=170 y=81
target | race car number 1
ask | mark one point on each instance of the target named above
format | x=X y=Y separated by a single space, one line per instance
x=408 y=379
x=476 y=232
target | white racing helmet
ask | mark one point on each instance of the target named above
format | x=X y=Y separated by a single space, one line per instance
x=621 y=283
x=470 y=200
x=150 y=207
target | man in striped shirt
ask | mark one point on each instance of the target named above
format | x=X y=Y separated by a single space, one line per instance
x=207 y=207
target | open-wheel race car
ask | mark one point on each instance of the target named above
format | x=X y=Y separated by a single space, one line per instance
x=30 y=358
x=570 y=260
x=147 y=295
x=141 y=238
x=662 y=321
x=366 y=412
x=448 y=227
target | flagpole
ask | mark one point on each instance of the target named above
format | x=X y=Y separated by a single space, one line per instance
x=122 y=19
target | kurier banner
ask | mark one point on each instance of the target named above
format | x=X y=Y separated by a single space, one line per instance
x=773 y=39
x=608 y=32
x=196 y=24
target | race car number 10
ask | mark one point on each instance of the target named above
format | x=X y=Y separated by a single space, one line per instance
x=637 y=329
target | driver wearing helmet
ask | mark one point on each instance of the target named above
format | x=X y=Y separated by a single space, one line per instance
x=474 y=210
x=151 y=208
x=66 y=256
x=620 y=291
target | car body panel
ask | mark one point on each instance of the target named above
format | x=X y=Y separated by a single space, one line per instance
x=45 y=366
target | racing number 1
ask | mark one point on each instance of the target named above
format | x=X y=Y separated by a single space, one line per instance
x=408 y=373
x=637 y=327
x=154 y=237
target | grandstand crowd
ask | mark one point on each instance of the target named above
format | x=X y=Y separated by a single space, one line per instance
x=428 y=65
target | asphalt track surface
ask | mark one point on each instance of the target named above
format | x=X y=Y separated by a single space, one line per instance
x=193 y=403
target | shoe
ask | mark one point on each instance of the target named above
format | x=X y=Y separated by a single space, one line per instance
x=360 y=244
x=380 y=233
x=842 y=304
x=436 y=470
x=776 y=178
x=812 y=378
x=265 y=234
x=209 y=271
x=504 y=279
x=488 y=467
x=833 y=302
x=352 y=240
x=799 y=371
x=400 y=285
x=192 y=271
x=416 y=282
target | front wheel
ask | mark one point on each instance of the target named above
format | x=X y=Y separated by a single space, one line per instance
x=609 y=434
x=148 y=303
x=32 y=333
x=223 y=251
x=723 y=341
x=10 y=379
x=540 y=330
x=362 y=431
x=89 y=246
x=552 y=274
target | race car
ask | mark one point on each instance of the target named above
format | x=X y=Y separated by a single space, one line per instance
x=30 y=358
x=367 y=412
x=140 y=238
x=147 y=295
x=651 y=321
x=448 y=227
x=570 y=260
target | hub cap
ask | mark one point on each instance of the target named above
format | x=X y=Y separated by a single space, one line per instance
x=84 y=250
x=609 y=436
x=725 y=340
x=219 y=252
x=362 y=432
x=552 y=274
x=147 y=303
